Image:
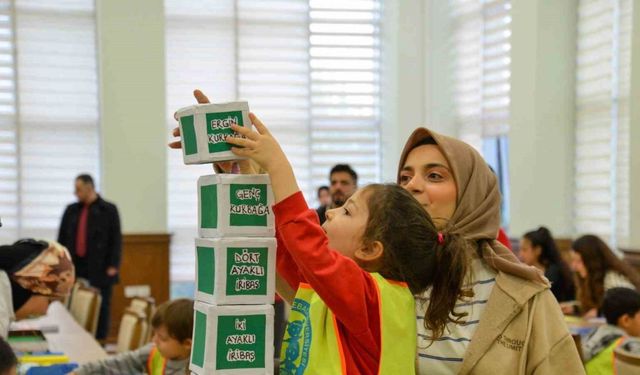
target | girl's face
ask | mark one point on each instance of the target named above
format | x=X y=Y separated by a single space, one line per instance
x=577 y=265
x=528 y=253
x=428 y=177
x=345 y=225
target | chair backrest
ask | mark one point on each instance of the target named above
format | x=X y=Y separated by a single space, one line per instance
x=132 y=329
x=85 y=307
x=627 y=357
x=147 y=306
x=79 y=282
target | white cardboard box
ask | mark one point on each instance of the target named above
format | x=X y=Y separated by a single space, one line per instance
x=203 y=128
x=232 y=339
x=235 y=270
x=235 y=205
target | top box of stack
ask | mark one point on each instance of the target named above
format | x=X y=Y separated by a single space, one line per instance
x=204 y=128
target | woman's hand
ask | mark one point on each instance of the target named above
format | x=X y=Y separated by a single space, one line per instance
x=224 y=166
x=593 y=313
x=263 y=148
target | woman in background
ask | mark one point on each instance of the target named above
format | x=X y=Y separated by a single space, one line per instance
x=538 y=249
x=597 y=270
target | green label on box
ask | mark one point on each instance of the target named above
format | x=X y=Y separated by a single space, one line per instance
x=248 y=205
x=247 y=271
x=241 y=341
x=219 y=127
x=209 y=206
x=206 y=269
x=189 y=135
x=199 y=339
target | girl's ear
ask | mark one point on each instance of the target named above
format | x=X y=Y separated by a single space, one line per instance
x=370 y=257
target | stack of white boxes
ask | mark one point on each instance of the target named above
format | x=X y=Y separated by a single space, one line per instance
x=235 y=254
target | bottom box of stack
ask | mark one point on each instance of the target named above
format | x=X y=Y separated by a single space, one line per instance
x=232 y=339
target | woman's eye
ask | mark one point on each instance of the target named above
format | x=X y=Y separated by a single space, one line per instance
x=434 y=176
x=405 y=179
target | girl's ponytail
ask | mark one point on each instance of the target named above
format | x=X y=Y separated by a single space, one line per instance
x=451 y=257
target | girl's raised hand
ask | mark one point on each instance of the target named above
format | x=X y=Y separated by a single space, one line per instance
x=260 y=146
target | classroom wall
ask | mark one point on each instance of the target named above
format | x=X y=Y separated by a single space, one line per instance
x=541 y=133
x=132 y=98
x=634 y=137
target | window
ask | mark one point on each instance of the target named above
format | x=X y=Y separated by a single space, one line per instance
x=309 y=69
x=481 y=74
x=602 y=119
x=481 y=40
x=48 y=111
x=495 y=151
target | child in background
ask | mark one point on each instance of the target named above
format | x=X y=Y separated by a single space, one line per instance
x=355 y=276
x=621 y=308
x=8 y=360
x=167 y=355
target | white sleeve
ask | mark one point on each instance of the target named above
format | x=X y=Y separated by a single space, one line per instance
x=614 y=279
x=6 y=305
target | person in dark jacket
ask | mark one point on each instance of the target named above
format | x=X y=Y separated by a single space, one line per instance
x=90 y=229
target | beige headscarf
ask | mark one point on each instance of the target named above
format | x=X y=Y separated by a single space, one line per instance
x=477 y=214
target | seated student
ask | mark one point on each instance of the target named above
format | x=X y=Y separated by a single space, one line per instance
x=597 y=270
x=621 y=308
x=538 y=249
x=167 y=355
x=8 y=360
x=31 y=274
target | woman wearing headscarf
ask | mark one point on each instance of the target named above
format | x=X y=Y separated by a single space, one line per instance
x=505 y=321
x=31 y=274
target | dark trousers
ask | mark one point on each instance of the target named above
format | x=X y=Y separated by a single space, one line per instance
x=105 y=312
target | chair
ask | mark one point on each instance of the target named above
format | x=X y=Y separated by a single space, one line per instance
x=627 y=357
x=147 y=306
x=67 y=300
x=133 y=326
x=85 y=307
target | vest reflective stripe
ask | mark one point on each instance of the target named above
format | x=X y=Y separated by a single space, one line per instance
x=603 y=363
x=156 y=362
x=312 y=343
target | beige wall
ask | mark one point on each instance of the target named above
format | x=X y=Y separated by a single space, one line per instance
x=543 y=45
x=132 y=94
x=634 y=188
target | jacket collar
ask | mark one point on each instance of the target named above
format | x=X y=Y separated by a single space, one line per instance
x=509 y=295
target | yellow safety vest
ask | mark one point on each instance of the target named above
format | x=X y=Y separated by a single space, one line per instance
x=312 y=344
x=156 y=363
x=603 y=362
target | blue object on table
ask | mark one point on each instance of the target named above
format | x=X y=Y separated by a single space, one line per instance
x=60 y=369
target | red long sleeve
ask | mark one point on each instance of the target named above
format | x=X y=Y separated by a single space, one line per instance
x=348 y=290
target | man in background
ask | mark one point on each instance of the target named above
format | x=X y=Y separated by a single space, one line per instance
x=90 y=229
x=344 y=182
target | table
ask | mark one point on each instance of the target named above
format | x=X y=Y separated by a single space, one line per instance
x=70 y=339
x=580 y=327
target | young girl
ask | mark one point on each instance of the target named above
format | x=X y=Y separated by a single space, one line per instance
x=538 y=249
x=354 y=309
x=597 y=270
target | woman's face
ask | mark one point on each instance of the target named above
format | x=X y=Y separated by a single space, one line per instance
x=426 y=174
x=528 y=253
x=577 y=265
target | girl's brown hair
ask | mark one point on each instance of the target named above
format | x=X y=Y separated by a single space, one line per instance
x=598 y=259
x=414 y=254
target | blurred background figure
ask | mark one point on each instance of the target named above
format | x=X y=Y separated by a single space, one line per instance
x=538 y=249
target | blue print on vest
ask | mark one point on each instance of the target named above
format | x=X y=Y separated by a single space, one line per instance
x=296 y=330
